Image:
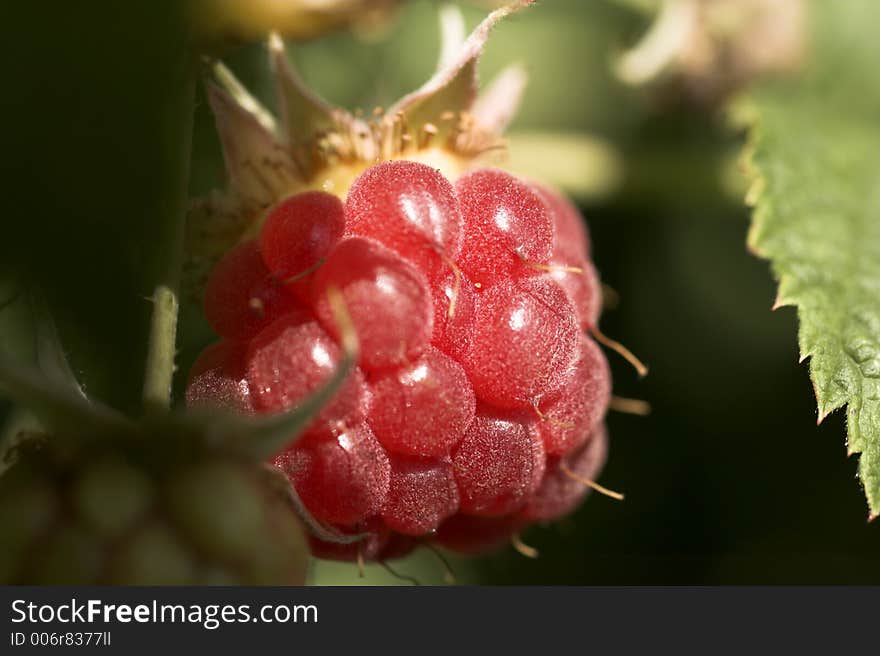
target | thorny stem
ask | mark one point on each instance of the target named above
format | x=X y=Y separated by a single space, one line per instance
x=160 y=355
x=161 y=349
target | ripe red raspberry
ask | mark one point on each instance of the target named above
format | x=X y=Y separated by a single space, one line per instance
x=409 y=208
x=300 y=231
x=581 y=284
x=379 y=543
x=570 y=239
x=422 y=493
x=507 y=227
x=342 y=479
x=568 y=417
x=525 y=339
x=472 y=535
x=291 y=359
x=424 y=408
x=218 y=378
x=388 y=299
x=455 y=298
x=242 y=296
x=478 y=402
x=498 y=465
x=560 y=490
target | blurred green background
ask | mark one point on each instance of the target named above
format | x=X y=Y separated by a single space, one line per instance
x=727 y=481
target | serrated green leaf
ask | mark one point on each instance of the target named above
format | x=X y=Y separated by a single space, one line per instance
x=815 y=158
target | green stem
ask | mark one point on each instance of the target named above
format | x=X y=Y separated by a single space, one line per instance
x=162 y=345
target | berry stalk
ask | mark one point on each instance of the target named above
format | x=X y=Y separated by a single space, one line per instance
x=161 y=348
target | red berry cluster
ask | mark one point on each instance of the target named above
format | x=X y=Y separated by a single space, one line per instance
x=478 y=402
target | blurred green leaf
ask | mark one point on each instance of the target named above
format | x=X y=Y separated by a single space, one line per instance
x=29 y=344
x=59 y=405
x=815 y=157
x=16 y=321
x=91 y=170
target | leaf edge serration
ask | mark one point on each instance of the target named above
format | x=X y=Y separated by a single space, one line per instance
x=829 y=398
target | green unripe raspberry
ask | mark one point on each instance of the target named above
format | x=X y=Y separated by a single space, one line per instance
x=70 y=555
x=27 y=508
x=123 y=512
x=154 y=555
x=218 y=507
x=111 y=495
